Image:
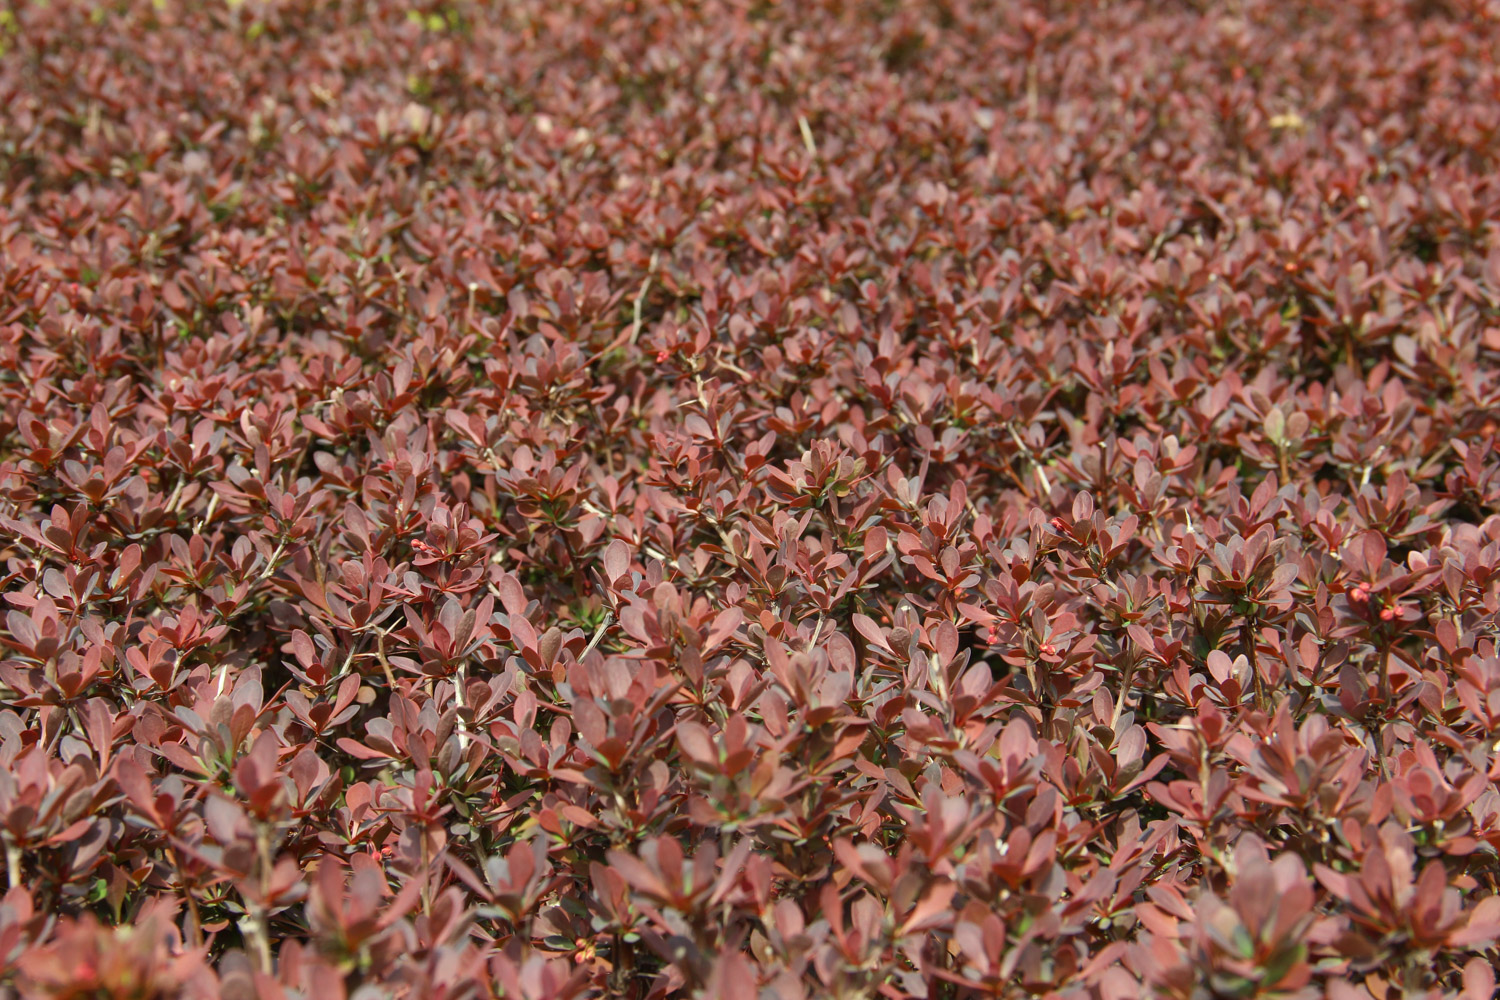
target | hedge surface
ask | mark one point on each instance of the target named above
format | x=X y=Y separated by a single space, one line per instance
x=739 y=499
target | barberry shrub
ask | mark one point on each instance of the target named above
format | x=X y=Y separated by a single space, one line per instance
x=750 y=499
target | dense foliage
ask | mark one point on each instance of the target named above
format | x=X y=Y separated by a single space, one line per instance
x=650 y=498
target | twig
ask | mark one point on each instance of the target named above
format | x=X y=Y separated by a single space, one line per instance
x=609 y=619
x=13 y=862
x=640 y=297
x=807 y=136
x=458 y=697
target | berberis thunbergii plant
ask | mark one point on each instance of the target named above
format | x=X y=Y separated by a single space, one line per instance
x=747 y=499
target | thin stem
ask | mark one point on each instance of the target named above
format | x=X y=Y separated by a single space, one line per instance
x=1385 y=676
x=195 y=923
x=426 y=874
x=259 y=925
x=604 y=625
x=460 y=682
x=1125 y=683
x=1247 y=636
